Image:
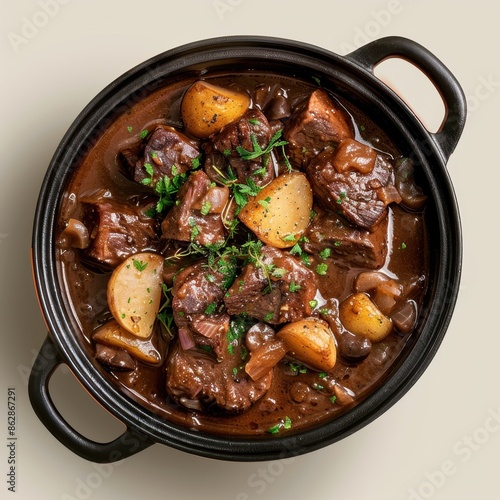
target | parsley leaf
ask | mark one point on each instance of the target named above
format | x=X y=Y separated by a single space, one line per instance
x=322 y=269
x=139 y=265
x=325 y=253
x=286 y=424
x=258 y=151
x=205 y=208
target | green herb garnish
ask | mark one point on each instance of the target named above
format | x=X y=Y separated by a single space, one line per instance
x=325 y=253
x=211 y=308
x=342 y=197
x=322 y=269
x=283 y=424
x=139 y=265
x=205 y=208
x=258 y=151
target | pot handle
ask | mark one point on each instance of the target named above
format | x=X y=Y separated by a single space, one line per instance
x=129 y=443
x=446 y=84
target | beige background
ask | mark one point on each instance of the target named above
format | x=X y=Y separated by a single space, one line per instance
x=442 y=440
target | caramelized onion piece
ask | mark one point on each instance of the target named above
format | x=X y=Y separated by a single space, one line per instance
x=186 y=338
x=112 y=334
x=405 y=317
x=74 y=235
x=353 y=155
x=343 y=396
x=211 y=327
x=117 y=359
x=214 y=200
x=265 y=358
x=411 y=194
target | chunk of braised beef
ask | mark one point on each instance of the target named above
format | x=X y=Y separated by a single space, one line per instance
x=198 y=289
x=251 y=294
x=166 y=152
x=316 y=123
x=347 y=244
x=197 y=215
x=118 y=229
x=252 y=127
x=199 y=381
x=277 y=289
x=362 y=198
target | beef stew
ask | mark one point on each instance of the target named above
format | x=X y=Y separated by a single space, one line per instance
x=289 y=241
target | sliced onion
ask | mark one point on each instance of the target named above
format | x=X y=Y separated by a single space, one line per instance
x=210 y=327
x=265 y=358
x=214 y=200
x=388 y=194
x=186 y=338
x=75 y=235
x=405 y=318
x=369 y=280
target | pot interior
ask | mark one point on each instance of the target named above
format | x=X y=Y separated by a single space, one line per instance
x=364 y=96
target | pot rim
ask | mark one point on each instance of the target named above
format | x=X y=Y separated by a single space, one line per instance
x=352 y=71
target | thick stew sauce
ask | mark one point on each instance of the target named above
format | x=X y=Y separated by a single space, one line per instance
x=244 y=254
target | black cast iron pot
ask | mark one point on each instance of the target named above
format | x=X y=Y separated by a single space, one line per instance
x=352 y=77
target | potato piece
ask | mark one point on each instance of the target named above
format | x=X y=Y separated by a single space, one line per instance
x=311 y=342
x=207 y=108
x=280 y=213
x=134 y=293
x=111 y=334
x=362 y=317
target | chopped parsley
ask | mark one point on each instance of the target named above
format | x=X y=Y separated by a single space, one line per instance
x=289 y=237
x=297 y=368
x=143 y=133
x=196 y=162
x=293 y=287
x=237 y=327
x=211 y=308
x=241 y=192
x=285 y=423
x=296 y=250
x=205 y=207
x=325 y=253
x=322 y=269
x=265 y=203
x=258 y=151
x=195 y=230
x=305 y=259
x=269 y=316
x=139 y=265
x=342 y=197
x=276 y=272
